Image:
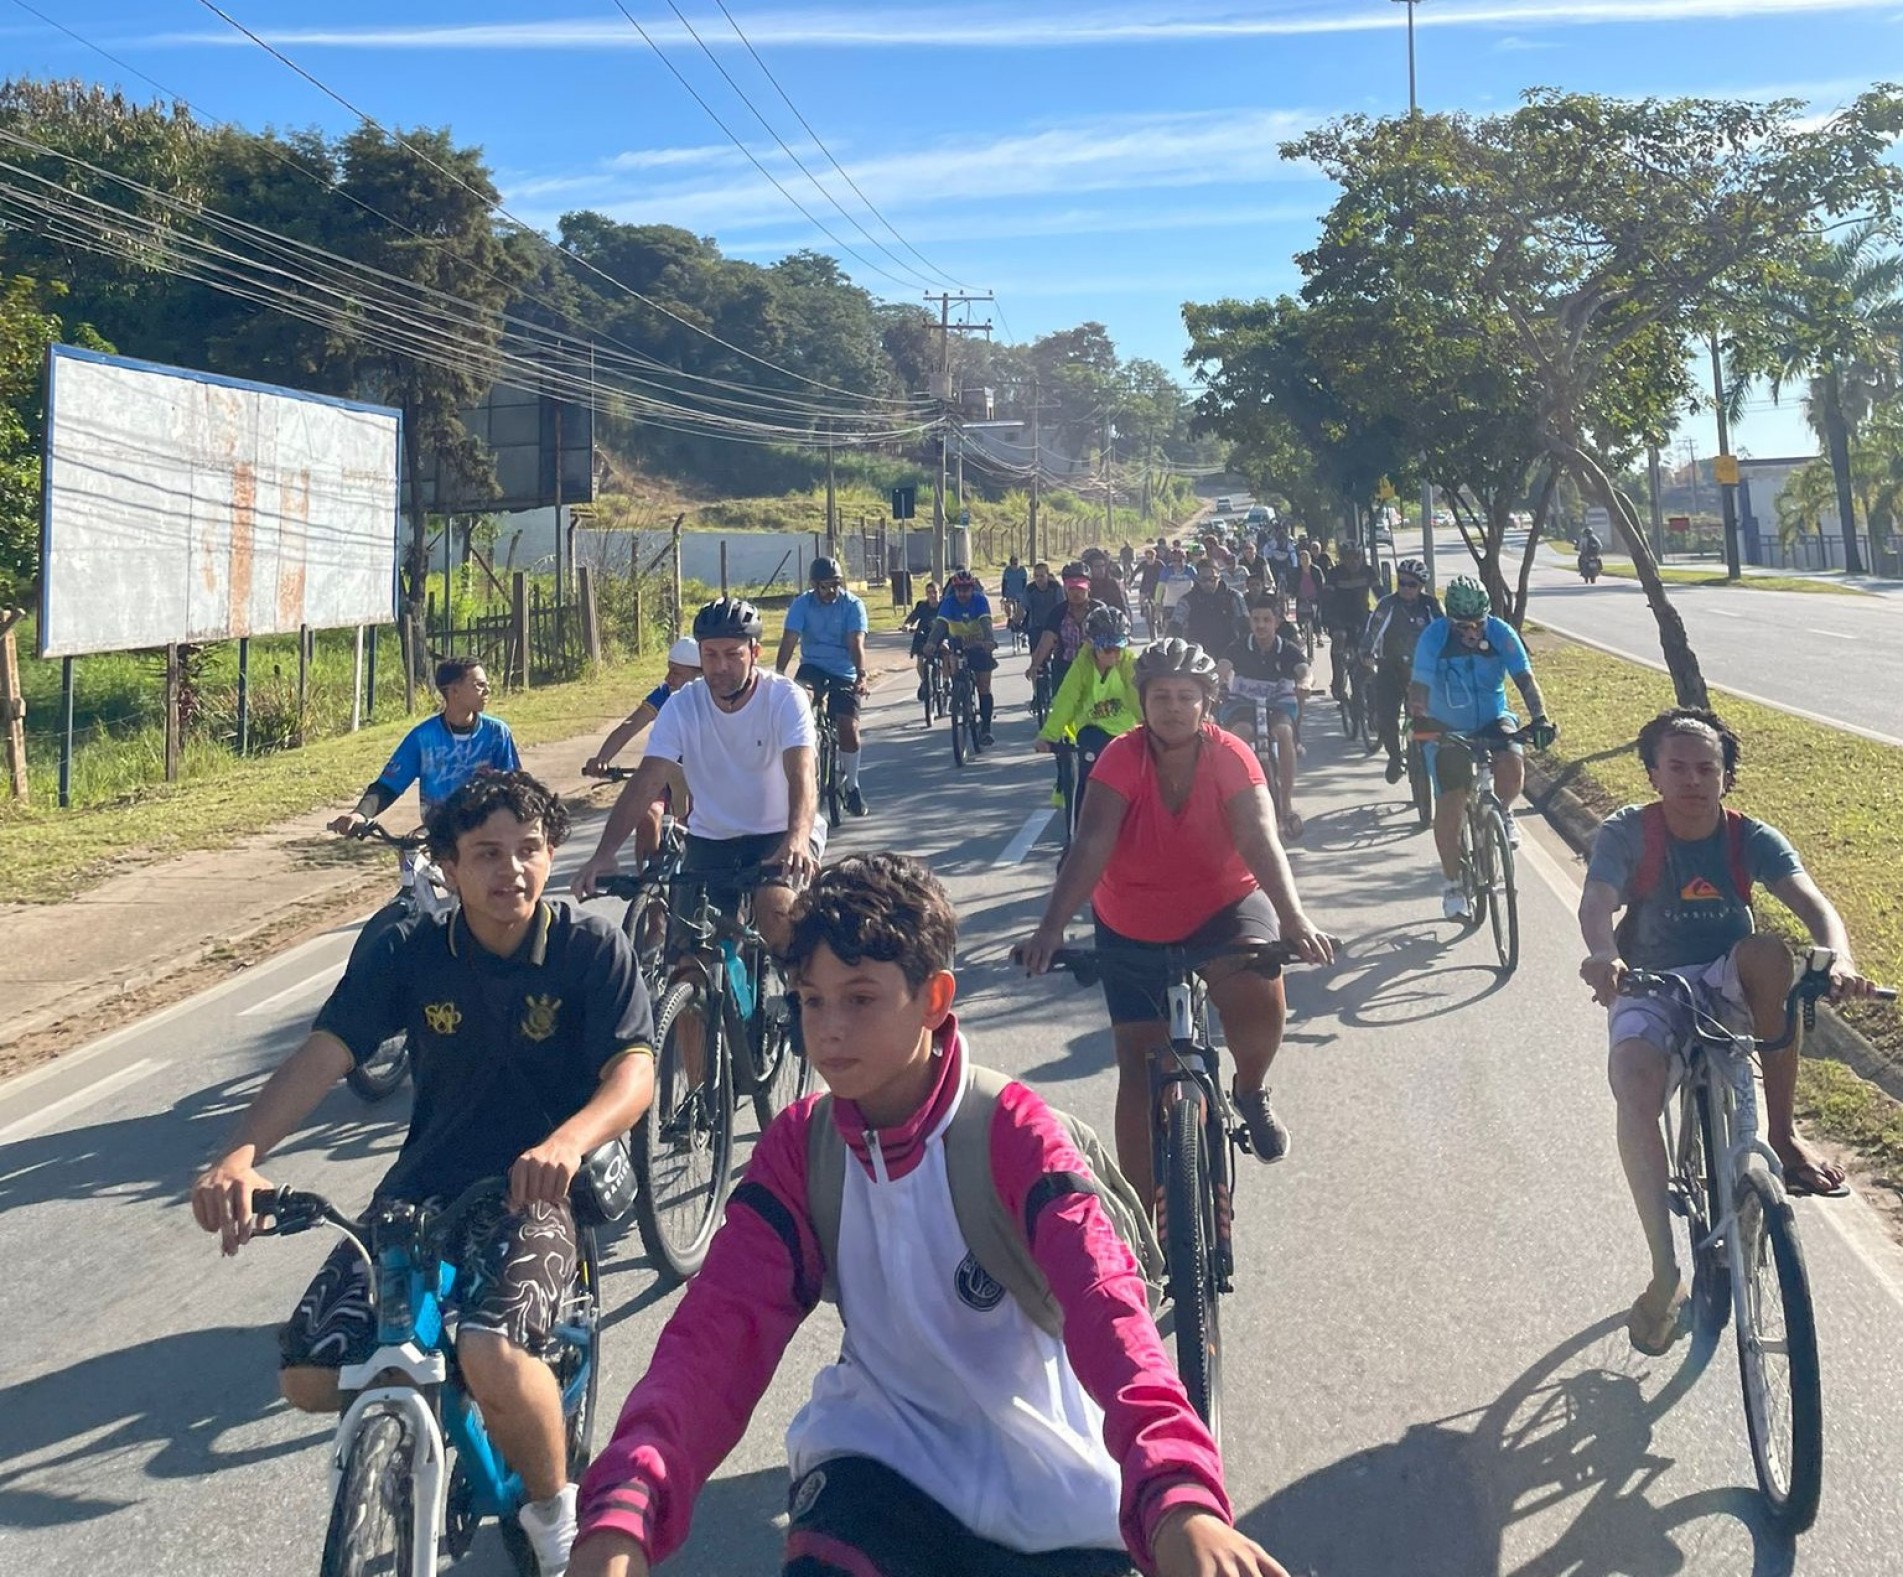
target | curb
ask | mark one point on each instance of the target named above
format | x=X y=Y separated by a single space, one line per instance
x=1578 y=824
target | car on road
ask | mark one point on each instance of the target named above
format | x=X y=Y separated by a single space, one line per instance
x=1224 y=505
x=1259 y=515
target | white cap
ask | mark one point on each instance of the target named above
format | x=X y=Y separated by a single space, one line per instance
x=685 y=652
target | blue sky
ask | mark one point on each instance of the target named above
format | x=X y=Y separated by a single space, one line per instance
x=1103 y=159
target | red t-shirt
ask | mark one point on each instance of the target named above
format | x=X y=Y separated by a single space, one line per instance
x=1172 y=871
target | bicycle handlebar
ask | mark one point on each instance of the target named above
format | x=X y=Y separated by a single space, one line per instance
x=292 y=1210
x=377 y=833
x=1089 y=965
x=1810 y=988
x=612 y=774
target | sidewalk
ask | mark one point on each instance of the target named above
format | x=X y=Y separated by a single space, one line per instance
x=74 y=970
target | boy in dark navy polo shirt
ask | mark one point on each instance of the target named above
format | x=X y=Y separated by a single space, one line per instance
x=531 y=1036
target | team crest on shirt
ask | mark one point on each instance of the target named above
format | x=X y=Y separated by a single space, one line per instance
x=538 y=1023
x=977 y=1288
x=806 y=1494
x=443 y=1018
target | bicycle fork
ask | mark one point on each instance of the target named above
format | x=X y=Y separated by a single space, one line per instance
x=429 y=1458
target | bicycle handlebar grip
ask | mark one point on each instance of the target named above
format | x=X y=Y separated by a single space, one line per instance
x=618 y=884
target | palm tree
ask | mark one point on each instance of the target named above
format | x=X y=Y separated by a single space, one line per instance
x=1840 y=327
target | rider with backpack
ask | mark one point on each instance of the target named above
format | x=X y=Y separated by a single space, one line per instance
x=1002 y=1403
x=1683 y=868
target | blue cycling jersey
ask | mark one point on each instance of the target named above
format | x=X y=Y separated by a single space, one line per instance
x=439 y=760
x=823 y=628
x=1466 y=685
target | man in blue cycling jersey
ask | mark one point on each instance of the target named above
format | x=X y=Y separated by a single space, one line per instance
x=831 y=623
x=964 y=622
x=1011 y=586
x=443 y=752
x=1458 y=685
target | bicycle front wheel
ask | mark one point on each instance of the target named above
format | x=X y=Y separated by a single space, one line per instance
x=1777 y=1353
x=1419 y=787
x=1189 y=1246
x=960 y=748
x=829 y=776
x=683 y=1150
x=1702 y=1157
x=781 y=1073
x=383 y=1073
x=1503 y=896
x=644 y=923
x=373 y=1520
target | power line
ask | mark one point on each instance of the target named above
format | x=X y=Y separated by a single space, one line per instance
x=752 y=157
x=495 y=206
x=806 y=126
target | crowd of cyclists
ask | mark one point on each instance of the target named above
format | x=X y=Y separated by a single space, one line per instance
x=955 y=1434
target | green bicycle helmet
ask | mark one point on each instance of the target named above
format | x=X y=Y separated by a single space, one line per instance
x=1467 y=599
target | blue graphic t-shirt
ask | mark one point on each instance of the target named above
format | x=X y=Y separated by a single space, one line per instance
x=823 y=627
x=657 y=697
x=439 y=760
x=1466 y=685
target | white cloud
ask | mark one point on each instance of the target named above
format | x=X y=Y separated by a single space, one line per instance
x=1230 y=217
x=676 y=158
x=1105 y=154
x=1026 y=27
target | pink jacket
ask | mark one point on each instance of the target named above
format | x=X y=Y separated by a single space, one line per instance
x=763 y=1275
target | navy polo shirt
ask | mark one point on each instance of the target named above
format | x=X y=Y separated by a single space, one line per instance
x=503 y=1050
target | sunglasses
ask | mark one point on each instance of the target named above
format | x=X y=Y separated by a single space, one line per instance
x=1468 y=626
x=1111 y=643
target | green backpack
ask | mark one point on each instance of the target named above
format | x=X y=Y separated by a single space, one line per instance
x=992 y=1233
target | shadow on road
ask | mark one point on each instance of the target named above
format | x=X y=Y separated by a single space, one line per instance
x=1568 y=1443
x=175 y=1397
x=1398 y=975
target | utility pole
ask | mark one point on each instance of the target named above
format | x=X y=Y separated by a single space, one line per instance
x=1109 y=490
x=832 y=513
x=1691 y=448
x=1724 y=469
x=1037 y=472
x=947 y=328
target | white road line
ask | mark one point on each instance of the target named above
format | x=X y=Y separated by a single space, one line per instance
x=1835 y=635
x=305 y=987
x=1721 y=613
x=1743 y=695
x=1028 y=834
x=46 y=1116
x=1854 y=1220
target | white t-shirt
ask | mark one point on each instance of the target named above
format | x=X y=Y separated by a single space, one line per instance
x=733 y=761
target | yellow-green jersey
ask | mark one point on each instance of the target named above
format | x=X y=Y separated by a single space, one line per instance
x=1089 y=698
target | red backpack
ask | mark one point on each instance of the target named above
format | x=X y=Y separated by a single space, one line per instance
x=1654 y=853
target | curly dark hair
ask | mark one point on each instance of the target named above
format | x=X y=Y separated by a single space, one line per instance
x=885 y=907
x=525 y=798
x=1690 y=720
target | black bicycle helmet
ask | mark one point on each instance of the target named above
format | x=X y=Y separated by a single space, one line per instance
x=1107 y=625
x=728 y=619
x=1176 y=659
x=823 y=570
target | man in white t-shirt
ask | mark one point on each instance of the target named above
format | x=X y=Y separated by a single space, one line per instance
x=741 y=738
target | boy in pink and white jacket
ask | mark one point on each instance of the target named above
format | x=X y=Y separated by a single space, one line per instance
x=954 y=1437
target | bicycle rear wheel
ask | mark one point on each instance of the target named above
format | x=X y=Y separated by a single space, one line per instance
x=383 y=1073
x=1189 y=1247
x=781 y=1074
x=1777 y=1353
x=1503 y=896
x=683 y=1149
x=373 y=1519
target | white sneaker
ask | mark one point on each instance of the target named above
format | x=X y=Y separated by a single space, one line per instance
x=1453 y=903
x=550 y=1525
x=1513 y=829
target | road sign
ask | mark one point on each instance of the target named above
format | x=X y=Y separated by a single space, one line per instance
x=964 y=517
x=1724 y=470
x=904 y=503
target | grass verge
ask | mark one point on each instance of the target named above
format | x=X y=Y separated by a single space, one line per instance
x=1836 y=796
x=1677 y=575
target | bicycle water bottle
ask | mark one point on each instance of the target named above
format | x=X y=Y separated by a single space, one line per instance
x=739 y=983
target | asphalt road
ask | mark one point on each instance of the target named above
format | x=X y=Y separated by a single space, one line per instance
x=1839 y=658
x=1426 y=1370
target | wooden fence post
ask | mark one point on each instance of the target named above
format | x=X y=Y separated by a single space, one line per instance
x=13 y=703
x=172 y=742
x=590 y=623
x=519 y=626
x=679 y=618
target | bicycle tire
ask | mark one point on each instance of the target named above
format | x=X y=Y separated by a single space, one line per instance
x=1473 y=879
x=1711 y=1269
x=1419 y=786
x=782 y=1075
x=1041 y=698
x=579 y=1423
x=829 y=776
x=1787 y=1453
x=382 y=1074
x=925 y=700
x=958 y=744
x=1189 y=1250
x=1503 y=895
x=684 y=1159
x=373 y=1519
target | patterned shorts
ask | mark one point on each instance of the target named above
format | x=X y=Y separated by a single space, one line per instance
x=514 y=1271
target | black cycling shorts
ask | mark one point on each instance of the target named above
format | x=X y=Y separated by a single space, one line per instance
x=1138 y=993
x=514 y=1271
x=854 y=1517
x=838 y=691
x=979 y=659
x=1454 y=762
x=712 y=859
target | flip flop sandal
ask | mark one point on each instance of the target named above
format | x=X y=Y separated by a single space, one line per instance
x=1807 y=1182
x=1654 y=1333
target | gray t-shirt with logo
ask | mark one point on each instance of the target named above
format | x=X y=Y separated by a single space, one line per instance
x=1694 y=915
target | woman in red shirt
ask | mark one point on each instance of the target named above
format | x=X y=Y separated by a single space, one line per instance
x=1176 y=846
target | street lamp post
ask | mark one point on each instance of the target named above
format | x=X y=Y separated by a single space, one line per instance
x=1413 y=101
x=1427 y=488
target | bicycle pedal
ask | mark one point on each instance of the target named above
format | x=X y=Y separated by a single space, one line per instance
x=1680 y=1206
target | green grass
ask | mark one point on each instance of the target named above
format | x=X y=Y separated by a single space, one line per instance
x=1836 y=796
x=1677 y=575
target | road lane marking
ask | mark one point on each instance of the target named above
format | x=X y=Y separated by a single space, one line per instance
x=304 y=987
x=66 y=1105
x=1028 y=834
x=1722 y=613
x=1743 y=695
x=1835 y=635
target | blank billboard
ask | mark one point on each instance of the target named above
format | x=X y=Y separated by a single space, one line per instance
x=528 y=436
x=185 y=507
